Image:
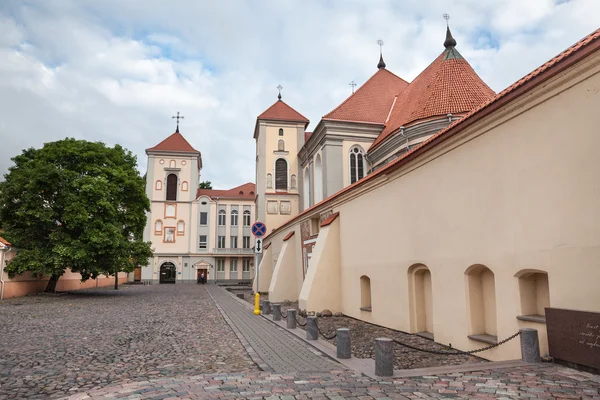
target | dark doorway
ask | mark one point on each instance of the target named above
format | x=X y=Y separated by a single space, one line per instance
x=137 y=274
x=168 y=272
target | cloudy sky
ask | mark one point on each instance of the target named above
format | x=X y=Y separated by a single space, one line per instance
x=117 y=70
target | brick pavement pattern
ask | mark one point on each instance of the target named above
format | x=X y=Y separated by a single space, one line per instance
x=541 y=381
x=281 y=351
x=52 y=345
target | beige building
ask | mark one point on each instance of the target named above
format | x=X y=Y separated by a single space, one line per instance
x=194 y=231
x=471 y=234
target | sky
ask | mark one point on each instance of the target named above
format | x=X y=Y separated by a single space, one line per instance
x=116 y=71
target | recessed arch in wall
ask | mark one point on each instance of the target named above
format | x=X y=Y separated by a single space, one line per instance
x=420 y=299
x=481 y=296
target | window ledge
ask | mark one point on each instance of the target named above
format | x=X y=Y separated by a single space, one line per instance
x=369 y=309
x=426 y=335
x=532 y=318
x=172 y=169
x=281 y=153
x=489 y=339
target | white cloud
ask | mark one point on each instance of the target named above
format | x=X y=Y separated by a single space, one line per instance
x=117 y=71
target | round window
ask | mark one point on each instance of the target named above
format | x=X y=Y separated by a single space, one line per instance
x=183 y=162
x=162 y=161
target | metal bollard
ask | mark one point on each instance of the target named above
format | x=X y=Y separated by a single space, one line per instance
x=342 y=341
x=240 y=296
x=261 y=307
x=312 y=332
x=530 y=345
x=291 y=318
x=267 y=309
x=384 y=357
x=276 y=312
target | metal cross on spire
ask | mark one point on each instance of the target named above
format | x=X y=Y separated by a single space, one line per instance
x=353 y=84
x=178 y=118
x=447 y=17
x=279 y=87
x=381 y=63
x=380 y=43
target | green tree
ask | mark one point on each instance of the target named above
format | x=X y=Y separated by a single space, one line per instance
x=205 y=185
x=74 y=204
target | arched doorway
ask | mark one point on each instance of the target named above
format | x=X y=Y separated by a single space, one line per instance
x=168 y=273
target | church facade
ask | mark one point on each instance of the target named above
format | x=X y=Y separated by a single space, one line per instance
x=194 y=231
x=440 y=208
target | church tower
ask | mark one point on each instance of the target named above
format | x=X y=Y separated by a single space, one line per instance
x=279 y=135
x=171 y=181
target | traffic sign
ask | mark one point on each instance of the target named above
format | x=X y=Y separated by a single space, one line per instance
x=258 y=246
x=259 y=229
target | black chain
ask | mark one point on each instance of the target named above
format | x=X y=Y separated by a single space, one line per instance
x=458 y=352
x=284 y=316
x=325 y=336
x=300 y=323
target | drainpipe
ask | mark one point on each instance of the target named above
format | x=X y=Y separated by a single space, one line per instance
x=3 y=252
x=404 y=136
x=217 y=235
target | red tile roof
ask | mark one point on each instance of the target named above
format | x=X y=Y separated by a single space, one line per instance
x=280 y=111
x=372 y=102
x=246 y=191
x=307 y=136
x=288 y=236
x=329 y=220
x=577 y=52
x=449 y=85
x=3 y=241
x=175 y=142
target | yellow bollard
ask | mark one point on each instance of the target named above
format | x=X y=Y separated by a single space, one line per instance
x=257 y=303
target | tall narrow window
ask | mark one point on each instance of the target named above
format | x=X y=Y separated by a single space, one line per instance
x=269 y=181
x=158 y=185
x=234 y=242
x=180 y=228
x=294 y=181
x=172 y=187
x=202 y=242
x=158 y=227
x=234 y=218
x=281 y=174
x=203 y=218
x=172 y=164
x=318 y=179
x=365 y=293
x=280 y=131
x=357 y=168
x=221 y=242
x=222 y=218
x=184 y=186
x=306 y=190
x=246 y=265
x=247 y=218
x=246 y=243
x=280 y=145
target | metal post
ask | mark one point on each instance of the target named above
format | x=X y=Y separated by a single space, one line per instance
x=384 y=357
x=267 y=307
x=276 y=312
x=342 y=341
x=530 y=345
x=312 y=331
x=291 y=318
x=257 y=294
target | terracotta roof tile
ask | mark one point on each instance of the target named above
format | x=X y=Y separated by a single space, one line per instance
x=246 y=191
x=175 y=142
x=570 y=56
x=288 y=236
x=4 y=242
x=307 y=136
x=327 y=221
x=449 y=85
x=280 y=111
x=372 y=101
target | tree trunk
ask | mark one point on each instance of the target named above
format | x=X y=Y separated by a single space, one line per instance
x=51 y=288
x=116 y=280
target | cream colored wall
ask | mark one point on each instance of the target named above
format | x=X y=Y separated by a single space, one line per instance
x=181 y=245
x=284 y=282
x=290 y=136
x=346 y=146
x=265 y=271
x=185 y=174
x=274 y=220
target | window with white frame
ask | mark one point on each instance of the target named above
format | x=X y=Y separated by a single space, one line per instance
x=172 y=164
x=158 y=227
x=234 y=218
x=247 y=218
x=233 y=240
x=220 y=265
x=221 y=242
x=203 y=242
x=180 y=227
x=246 y=265
x=246 y=242
x=203 y=218
x=233 y=265
x=357 y=168
x=222 y=217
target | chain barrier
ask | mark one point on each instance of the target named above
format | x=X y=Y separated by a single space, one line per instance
x=456 y=351
x=284 y=316
x=322 y=334
x=300 y=323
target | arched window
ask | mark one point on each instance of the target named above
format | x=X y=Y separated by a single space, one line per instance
x=184 y=186
x=365 y=293
x=172 y=187
x=280 y=131
x=306 y=189
x=222 y=218
x=158 y=185
x=357 y=168
x=172 y=164
x=180 y=227
x=318 y=179
x=234 y=218
x=482 y=303
x=158 y=227
x=294 y=182
x=280 y=145
x=269 y=181
x=281 y=174
x=247 y=218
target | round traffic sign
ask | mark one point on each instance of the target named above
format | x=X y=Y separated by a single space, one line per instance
x=259 y=229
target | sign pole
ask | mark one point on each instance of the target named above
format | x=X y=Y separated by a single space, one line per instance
x=258 y=230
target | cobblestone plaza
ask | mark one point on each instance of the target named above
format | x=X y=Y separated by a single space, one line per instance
x=199 y=342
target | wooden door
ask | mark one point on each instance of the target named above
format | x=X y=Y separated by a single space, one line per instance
x=137 y=274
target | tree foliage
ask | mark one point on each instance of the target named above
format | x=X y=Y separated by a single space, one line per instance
x=74 y=204
x=205 y=185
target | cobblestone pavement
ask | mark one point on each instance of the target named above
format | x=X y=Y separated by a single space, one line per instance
x=52 y=345
x=542 y=381
x=281 y=351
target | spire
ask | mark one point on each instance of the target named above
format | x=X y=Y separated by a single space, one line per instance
x=450 y=41
x=381 y=63
x=177 y=118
